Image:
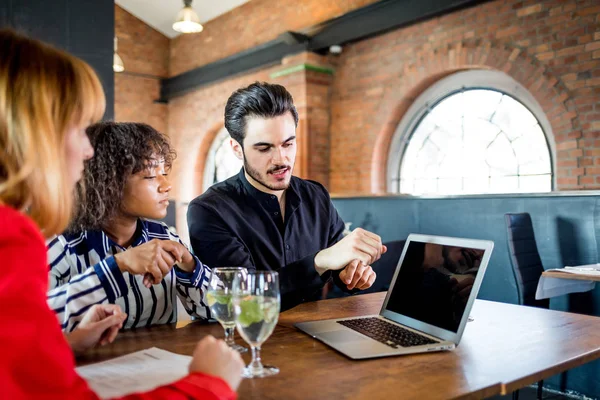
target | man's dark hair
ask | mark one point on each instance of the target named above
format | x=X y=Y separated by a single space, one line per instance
x=120 y=150
x=260 y=99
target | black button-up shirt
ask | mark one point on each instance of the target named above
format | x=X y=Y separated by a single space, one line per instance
x=235 y=224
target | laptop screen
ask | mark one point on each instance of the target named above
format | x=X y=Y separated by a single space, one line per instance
x=434 y=283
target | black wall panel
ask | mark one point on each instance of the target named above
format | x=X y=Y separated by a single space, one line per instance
x=84 y=28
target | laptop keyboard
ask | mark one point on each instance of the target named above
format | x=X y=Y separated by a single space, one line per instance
x=386 y=333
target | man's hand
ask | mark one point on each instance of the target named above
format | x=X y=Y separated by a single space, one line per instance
x=99 y=326
x=359 y=245
x=357 y=275
x=154 y=259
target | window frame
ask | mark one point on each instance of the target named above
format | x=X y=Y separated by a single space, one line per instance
x=448 y=86
x=209 y=165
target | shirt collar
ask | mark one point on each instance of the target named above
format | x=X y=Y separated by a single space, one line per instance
x=103 y=245
x=254 y=192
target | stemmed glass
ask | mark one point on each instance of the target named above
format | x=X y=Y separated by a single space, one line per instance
x=220 y=295
x=256 y=304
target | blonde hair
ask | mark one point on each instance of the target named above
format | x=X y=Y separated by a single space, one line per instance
x=44 y=92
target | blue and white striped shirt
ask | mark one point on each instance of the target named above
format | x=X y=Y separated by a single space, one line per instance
x=83 y=272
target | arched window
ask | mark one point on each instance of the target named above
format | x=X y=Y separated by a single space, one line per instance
x=473 y=132
x=221 y=163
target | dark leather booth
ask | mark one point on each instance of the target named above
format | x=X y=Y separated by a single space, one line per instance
x=567 y=232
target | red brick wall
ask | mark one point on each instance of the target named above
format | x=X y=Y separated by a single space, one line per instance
x=145 y=54
x=134 y=101
x=312 y=93
x=196 y=118
x=251 y=24
x=551 y=47
x=194 y=121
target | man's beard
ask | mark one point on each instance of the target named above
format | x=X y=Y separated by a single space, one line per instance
x=257 y=177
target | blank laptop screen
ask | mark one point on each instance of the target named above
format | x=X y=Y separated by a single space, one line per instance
x=434 y=283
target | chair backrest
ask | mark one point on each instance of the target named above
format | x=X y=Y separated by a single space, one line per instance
x=525 y=258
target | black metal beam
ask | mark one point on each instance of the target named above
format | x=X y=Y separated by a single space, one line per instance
x=260 y=56
x=369 y=21
x=379 y=18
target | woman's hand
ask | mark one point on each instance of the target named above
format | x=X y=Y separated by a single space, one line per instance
x=214 y=357
x=99 y=326
x=153 y=260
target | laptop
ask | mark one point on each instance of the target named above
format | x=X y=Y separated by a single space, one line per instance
x=427 y=307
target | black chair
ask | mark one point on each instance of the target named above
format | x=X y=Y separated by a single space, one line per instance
x=526 y=264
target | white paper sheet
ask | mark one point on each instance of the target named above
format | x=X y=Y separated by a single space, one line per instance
x=552 y=287
x=136 y=372
x=587 y=267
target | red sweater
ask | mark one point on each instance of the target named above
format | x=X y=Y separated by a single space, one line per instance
x=35 y=359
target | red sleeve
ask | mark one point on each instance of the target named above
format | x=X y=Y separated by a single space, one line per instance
x=37 y=361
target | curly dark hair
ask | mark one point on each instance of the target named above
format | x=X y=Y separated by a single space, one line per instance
x=121 y=149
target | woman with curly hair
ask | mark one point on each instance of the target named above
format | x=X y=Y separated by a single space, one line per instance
x=113 y=251
x=47 y=98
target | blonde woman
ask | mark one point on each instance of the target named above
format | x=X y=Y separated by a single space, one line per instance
x=47 y=99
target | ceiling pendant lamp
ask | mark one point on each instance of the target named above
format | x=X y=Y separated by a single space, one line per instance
x=187 y=20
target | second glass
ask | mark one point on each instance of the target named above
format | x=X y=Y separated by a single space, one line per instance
x=220 y=301
x=256 y=304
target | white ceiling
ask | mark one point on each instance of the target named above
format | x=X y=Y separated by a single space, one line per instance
x=160 y=14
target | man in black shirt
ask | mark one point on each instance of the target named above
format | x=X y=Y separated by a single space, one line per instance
x=266 y=219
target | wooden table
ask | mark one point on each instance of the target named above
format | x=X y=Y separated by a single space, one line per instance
x=505 y=348
x=579 y=276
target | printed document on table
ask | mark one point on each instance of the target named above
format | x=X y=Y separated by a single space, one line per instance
x=587 y=267
x=136 y=372
x=577 y=270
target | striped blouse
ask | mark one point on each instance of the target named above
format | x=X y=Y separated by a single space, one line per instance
x=83 y=272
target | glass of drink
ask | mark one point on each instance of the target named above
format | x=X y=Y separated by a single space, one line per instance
x=256 y=304
x=219 y=297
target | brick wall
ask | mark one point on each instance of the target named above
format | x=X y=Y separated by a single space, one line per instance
x=194 y=121
x=251 y=24
x=308 y=77
x=551 y=47
x=145 y=53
